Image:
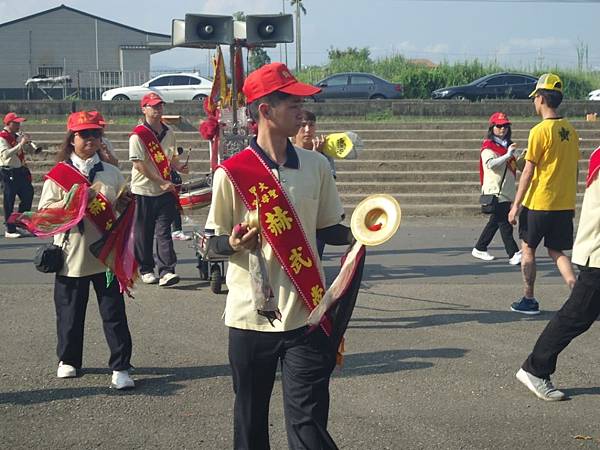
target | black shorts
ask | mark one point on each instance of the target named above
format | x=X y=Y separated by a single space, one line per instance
x=555 y=227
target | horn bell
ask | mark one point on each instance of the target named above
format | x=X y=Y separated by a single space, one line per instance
x=375 y=219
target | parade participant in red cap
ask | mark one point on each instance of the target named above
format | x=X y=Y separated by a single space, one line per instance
x=497 y=170
x=81 y=177
x=287 y=196
x=14 y=174
x=546 y=196
x=153 y=151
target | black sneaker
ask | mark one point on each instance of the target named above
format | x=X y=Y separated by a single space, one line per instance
x=526 y=306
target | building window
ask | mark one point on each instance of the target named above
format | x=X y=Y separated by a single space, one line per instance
x=110 y=78
x=50 y=71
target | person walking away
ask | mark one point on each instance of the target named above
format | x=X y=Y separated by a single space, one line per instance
x=546 y=196
x=497 y=170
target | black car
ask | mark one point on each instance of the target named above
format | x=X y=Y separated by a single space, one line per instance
x=357 y=85
x=498 y=85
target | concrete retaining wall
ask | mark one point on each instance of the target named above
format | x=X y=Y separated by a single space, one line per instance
x=437 y=108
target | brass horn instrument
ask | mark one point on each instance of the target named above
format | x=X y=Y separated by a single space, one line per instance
x=375 y=219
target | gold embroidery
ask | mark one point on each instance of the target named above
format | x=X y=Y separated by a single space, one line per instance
x=297 y=262
x=316 y=292
x=278 y=221
x=96 y=206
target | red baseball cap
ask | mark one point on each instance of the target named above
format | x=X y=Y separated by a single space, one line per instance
x=275 y=77
x=499 y=118
x=151 y=99
x=85 y=120
x=12 y=117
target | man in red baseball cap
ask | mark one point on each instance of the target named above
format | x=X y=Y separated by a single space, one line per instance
x=15 y=176
x=295 y=197
x=153 y=152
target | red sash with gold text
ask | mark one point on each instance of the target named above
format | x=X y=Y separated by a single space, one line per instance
x=99 y=210
x=280 y=225
x=12 y=142
x=593 y=167
x=154 y=149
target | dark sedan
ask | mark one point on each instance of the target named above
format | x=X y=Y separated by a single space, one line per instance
x=498 y=85
x=356 y=85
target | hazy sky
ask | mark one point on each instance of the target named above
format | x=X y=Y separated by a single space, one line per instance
x=521 y=34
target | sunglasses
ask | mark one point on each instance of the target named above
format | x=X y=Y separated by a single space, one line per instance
x=86 y=134
x=502 y=126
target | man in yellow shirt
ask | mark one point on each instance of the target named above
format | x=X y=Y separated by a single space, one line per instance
x=545 y=200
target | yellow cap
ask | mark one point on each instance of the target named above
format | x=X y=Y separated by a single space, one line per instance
x=549 y=81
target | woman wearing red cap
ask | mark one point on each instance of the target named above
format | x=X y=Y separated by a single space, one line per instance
x=497 y=171
x=79 y=163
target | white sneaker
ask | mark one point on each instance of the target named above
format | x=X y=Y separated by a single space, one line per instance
x=66 y=371
x=9 y=235
x=149 y=278
x=180 y=236
x=168 y=279
x=516 y=259
x=541 y=387
x=121 y=380
x=485 y=256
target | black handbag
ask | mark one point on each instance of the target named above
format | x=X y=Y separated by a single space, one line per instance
x=488 y=202
x=49 y=257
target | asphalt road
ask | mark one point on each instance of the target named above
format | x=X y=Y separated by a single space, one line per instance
x=431 y=355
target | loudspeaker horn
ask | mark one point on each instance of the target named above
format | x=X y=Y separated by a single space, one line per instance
x=202 y=31
x=266 y=29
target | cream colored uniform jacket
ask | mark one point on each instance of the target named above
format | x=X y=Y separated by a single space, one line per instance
x=493 y=177
x=140 y=184
x=586 y=250
x=79 y=262
x=313 y=193
x=8 y=154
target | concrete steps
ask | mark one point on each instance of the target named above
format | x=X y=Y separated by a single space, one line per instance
x=431 y=167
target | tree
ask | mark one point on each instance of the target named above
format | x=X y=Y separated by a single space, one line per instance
x=258 y=58
x=299 y=7
x=240 y=16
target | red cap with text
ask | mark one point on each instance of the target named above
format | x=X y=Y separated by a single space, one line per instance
x=499 y=118
x=85 y=120
x=151 y=99
x=275 y=77
x=12 y=117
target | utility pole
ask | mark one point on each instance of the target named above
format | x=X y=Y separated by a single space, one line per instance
x=285 y=44
x=298 y=46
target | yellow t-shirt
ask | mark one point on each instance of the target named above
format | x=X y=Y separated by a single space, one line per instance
x=312 y=191
x=554 y=149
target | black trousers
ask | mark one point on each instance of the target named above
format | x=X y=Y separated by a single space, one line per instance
x=16 y=182
x=306 y=365
x=153 y=219
x=499 y=219
x=575 y=317
x=71 y=296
